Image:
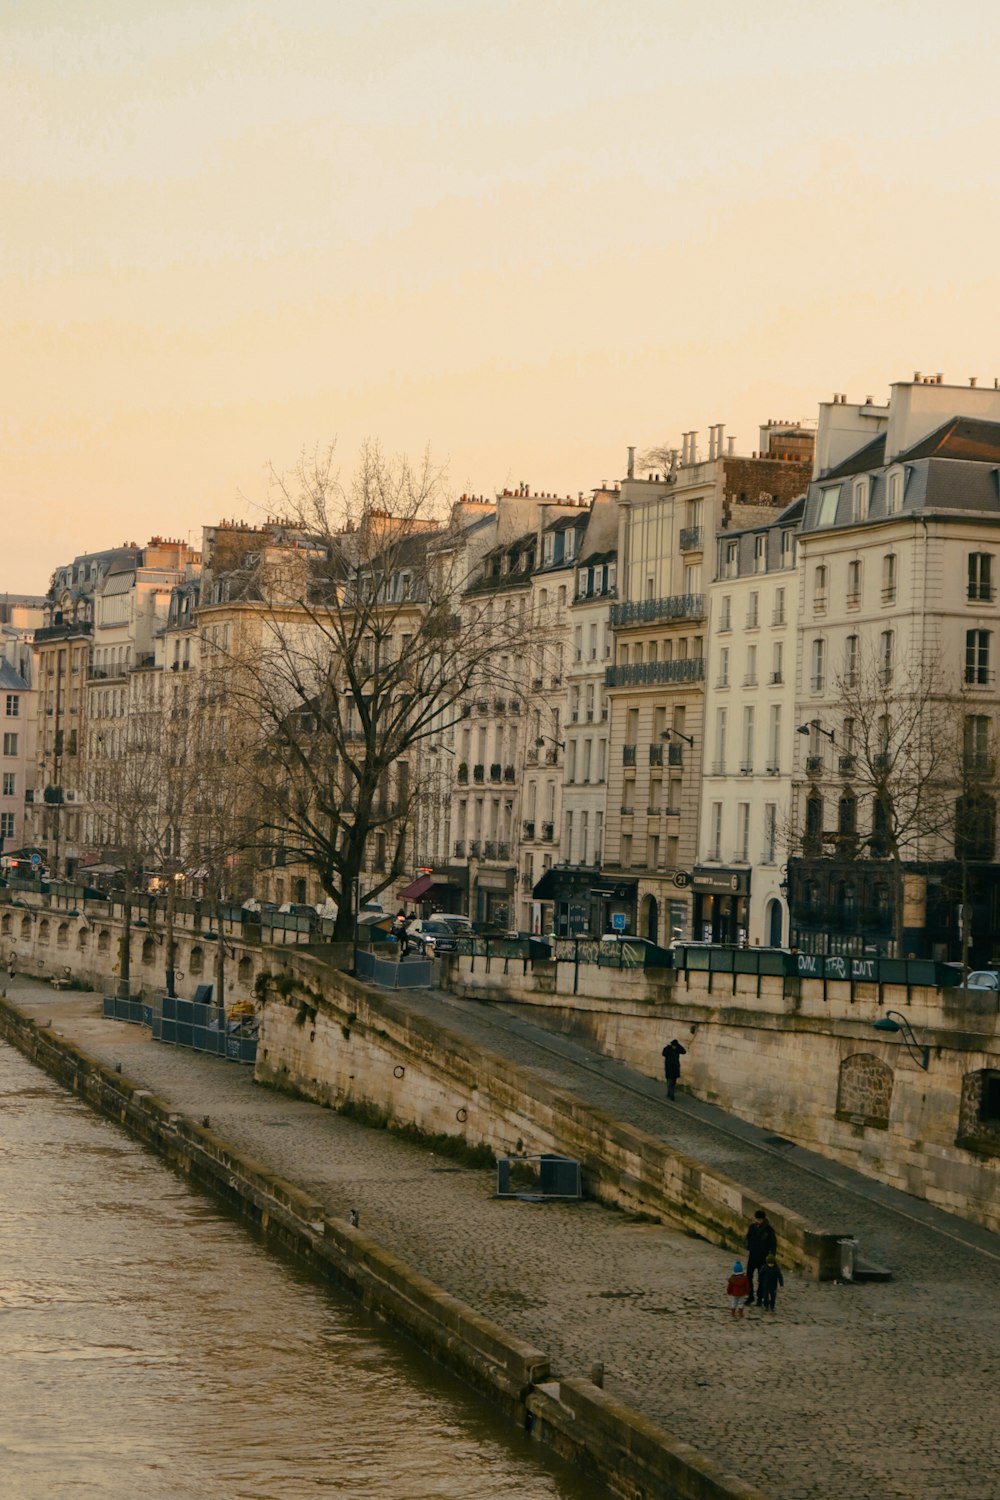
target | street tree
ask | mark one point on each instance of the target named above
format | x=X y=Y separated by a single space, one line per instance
x=361 y=641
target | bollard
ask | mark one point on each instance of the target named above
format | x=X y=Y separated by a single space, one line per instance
x=353 y=1218
x=597 y=1375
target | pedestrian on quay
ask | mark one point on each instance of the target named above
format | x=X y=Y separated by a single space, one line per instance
x=672 y=1054
x=400 y=933
x=761 y=1241
x=737 y=1290
x=11 y=967
x=769 y=1278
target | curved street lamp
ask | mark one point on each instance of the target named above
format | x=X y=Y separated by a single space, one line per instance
x=893 y=1020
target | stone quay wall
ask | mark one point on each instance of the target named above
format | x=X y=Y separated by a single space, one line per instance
x=798 y=1056
x=331 y=1039
x=631 y=1455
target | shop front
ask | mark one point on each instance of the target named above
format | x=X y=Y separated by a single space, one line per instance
x=574 y=901
x=437 y=890
x=493 y=899
x=721 y=902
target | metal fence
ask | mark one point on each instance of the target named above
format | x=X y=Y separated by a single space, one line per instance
x=394 y=973
x=186 y=1023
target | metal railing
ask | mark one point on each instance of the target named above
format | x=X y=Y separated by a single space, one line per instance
x=676 y=607
x=653 y=673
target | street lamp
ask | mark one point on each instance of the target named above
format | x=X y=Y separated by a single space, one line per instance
x=893 y=1020
x=436 y=750
x=814 y=724
x=668 y=734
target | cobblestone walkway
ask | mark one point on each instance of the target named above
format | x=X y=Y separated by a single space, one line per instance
x=878 y=1390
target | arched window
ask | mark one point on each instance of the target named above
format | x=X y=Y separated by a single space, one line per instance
x=83 y=938
x=43 y=932
x=245 y=970
x=6 y=924
x=148 y=950
x=62 y=935
x=847 y=814
x=196 y=964
x=25 y=927
x=813 y=839
x=103 y=941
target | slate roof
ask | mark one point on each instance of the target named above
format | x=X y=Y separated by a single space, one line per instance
x=964 y=438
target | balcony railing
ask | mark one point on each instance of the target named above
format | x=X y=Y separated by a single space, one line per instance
x=628 y=755
x=691 y=538
x=656 y=755
x=548 y=829
x=655 y=673
x=528 y=828
x=479 y=773
x=642 y=611
x=496 y=771
x=459 y=848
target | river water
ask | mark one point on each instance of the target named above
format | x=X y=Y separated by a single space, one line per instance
x=150 y=1347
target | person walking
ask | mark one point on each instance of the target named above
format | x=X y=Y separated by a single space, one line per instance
x=737 y=1290
x=769 y=1278
x=672 y=1054
x=761 y=1241
x=400 y=933
x=11 y=967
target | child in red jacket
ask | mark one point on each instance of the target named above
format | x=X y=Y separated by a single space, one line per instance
x=738 y=1290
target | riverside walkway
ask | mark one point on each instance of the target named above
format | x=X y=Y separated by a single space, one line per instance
x=880 y=1390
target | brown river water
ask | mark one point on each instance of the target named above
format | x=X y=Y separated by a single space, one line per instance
x=150 y=1347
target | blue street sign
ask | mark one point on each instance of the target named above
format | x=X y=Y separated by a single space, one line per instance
x=618 y=921
x=36 y=859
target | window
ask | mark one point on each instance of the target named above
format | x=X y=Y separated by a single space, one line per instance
x=975 y=827
x=894 y=499
x=980 y=578
x=716 y=843
x=828 y=505
x=720 y=742
x=889 y=578
x=746 y=758
x=812 y=842
x=976 y=742
x=753 y=611
x=724 y=667
x=10 y=744
x=13 y=705
x=847 y=815
x=885 y=650
x=819 y=589
x=743 y=831
x=730 y=567
x=818 y=674
x=779 y=605
x=777 y=662
x=853 y=585
x=851 y=661
x=977 y=659
x=9 y=784
x=760 y=554
x=787 y=548
x=859 y=498
x=6 y=825
x=750 y=679
x=770 y=832
x=774 y=739
x=725 y=613
x=849 y=736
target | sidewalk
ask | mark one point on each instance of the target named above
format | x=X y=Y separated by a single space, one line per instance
x=883 y=1390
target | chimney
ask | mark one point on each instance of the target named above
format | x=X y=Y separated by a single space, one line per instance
x=720 y=429
x=631 y=463
x=973 y=379
x=693 y=457
x=731 y=447
x=916 y=377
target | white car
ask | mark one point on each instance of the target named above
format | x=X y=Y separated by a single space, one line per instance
x=983 y=979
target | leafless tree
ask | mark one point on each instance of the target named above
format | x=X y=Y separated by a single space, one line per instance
x=363 y=639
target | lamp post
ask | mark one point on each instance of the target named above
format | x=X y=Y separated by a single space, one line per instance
x=893 y=1020
x=814 y=724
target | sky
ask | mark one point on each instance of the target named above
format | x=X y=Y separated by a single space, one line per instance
x=522 y=233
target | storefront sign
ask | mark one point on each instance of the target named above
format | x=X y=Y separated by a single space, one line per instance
x=722 y=882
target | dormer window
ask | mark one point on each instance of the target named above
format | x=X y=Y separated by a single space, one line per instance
x=859 y=506
x=829 y=498
x=894 y=492
x=548 y=547
x=570 y=545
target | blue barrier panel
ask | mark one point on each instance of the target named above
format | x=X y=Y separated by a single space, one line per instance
x=108 y=1007
x=184 y=1033
x=168 y=1030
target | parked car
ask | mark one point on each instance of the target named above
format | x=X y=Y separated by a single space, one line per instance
x=983 y=979
x=432 y=936
x=456 y=922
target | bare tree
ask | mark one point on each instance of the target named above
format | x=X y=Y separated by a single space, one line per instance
x=899 y=756
x=363 y=640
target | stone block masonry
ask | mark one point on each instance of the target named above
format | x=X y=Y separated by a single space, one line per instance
x=627 y=1452
x=334 y=1041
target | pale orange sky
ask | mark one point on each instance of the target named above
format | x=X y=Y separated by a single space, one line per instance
x=524 y=233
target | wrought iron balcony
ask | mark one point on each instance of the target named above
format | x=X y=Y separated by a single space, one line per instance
x=655 y=673
x=691 y=538
x=644 y=611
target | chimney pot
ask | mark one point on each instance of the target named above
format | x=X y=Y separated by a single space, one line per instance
x=973 y=379
x=916 y=377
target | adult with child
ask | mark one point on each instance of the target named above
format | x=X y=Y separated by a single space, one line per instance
x=761 y=1241
x=769 y=1278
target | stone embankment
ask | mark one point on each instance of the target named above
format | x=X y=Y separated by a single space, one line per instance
x=625 y=1450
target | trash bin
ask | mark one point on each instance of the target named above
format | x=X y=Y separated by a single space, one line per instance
x=848 y=1258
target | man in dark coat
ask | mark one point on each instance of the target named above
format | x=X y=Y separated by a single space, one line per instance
x=672 y=1054
x=761 y=1241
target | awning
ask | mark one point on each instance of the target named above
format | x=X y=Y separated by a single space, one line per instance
x=561 y=882
x=416 y=888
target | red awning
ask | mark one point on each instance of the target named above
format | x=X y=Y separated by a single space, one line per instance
x=416 y=888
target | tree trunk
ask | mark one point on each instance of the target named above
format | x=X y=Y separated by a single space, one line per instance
x=125 y=943
x=220 y=952
x=169 y=938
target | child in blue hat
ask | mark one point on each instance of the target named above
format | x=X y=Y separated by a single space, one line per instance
x=738 y=1290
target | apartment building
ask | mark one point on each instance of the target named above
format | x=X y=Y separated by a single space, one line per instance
x=568 y=894
x=63 y=646
x=896 y=688
x=750 y=705
x=20 y=616
x=656 y=681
